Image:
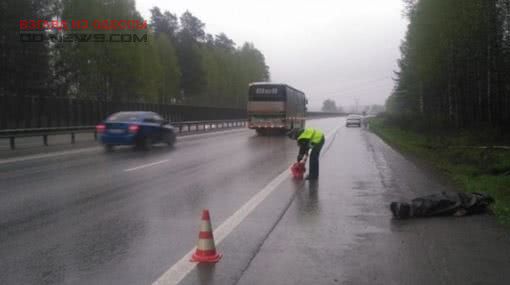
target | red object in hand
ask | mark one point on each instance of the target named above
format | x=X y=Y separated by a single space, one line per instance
x=298 y=170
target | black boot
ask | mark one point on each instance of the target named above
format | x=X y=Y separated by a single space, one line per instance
x=400 y=210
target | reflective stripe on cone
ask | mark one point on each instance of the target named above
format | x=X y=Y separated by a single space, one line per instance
x=206 y=250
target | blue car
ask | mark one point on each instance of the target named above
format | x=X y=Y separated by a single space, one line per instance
x=140 y=129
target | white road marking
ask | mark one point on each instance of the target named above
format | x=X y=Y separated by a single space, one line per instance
x=146 y=165
x=183 y=267
x=47 y=155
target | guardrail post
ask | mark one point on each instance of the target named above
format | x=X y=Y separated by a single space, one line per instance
x=72 y=138
x=11 y=142
x=45 y=140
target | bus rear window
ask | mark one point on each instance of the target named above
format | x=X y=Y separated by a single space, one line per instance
x=266 y=93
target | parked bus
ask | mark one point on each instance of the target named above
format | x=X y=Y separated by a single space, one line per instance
x=276 y=107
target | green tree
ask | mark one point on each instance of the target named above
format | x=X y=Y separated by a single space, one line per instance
x=24 y=67
x=190 y=37
x=102 y=68
x=164 y=23
x=329 y=106
x=179 y=58
x=453 y=63
x=169 y=80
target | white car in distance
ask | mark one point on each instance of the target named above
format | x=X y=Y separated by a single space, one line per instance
x=354 y=120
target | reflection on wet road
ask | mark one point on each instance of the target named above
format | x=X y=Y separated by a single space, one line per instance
x=84 y=219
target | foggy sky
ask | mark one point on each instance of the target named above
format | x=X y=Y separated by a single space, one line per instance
x=339 y=49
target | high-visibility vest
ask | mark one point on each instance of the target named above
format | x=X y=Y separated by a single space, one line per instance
x=312 y=135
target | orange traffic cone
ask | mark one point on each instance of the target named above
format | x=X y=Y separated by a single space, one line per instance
x=206 y=250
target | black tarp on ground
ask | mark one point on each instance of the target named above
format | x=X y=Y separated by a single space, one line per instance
x=443 y=203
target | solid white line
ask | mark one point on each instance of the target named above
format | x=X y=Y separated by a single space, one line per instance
x=183 y=267
x=146 y=165
x=47 y=155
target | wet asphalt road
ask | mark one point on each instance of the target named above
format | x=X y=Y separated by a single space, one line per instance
x=126 y=217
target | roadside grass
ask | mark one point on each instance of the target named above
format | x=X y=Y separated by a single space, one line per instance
x=471 y=169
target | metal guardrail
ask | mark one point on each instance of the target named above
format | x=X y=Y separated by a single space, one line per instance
x=317 y=115
x=212 y=124
x=182 y=127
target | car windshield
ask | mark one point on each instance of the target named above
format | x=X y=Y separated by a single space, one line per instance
x=124 y=117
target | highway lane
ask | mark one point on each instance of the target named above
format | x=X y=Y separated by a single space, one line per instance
x=126 y=217
x=130 y=216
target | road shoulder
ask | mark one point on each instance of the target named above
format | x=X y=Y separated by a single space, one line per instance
x=341 y=231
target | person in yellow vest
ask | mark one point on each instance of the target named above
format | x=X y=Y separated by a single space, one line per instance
x=309 y=139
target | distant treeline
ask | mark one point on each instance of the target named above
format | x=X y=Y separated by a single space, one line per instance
x=455 y=64
x=179 y=63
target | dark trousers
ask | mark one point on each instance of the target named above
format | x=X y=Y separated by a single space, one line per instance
x=314 y=159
